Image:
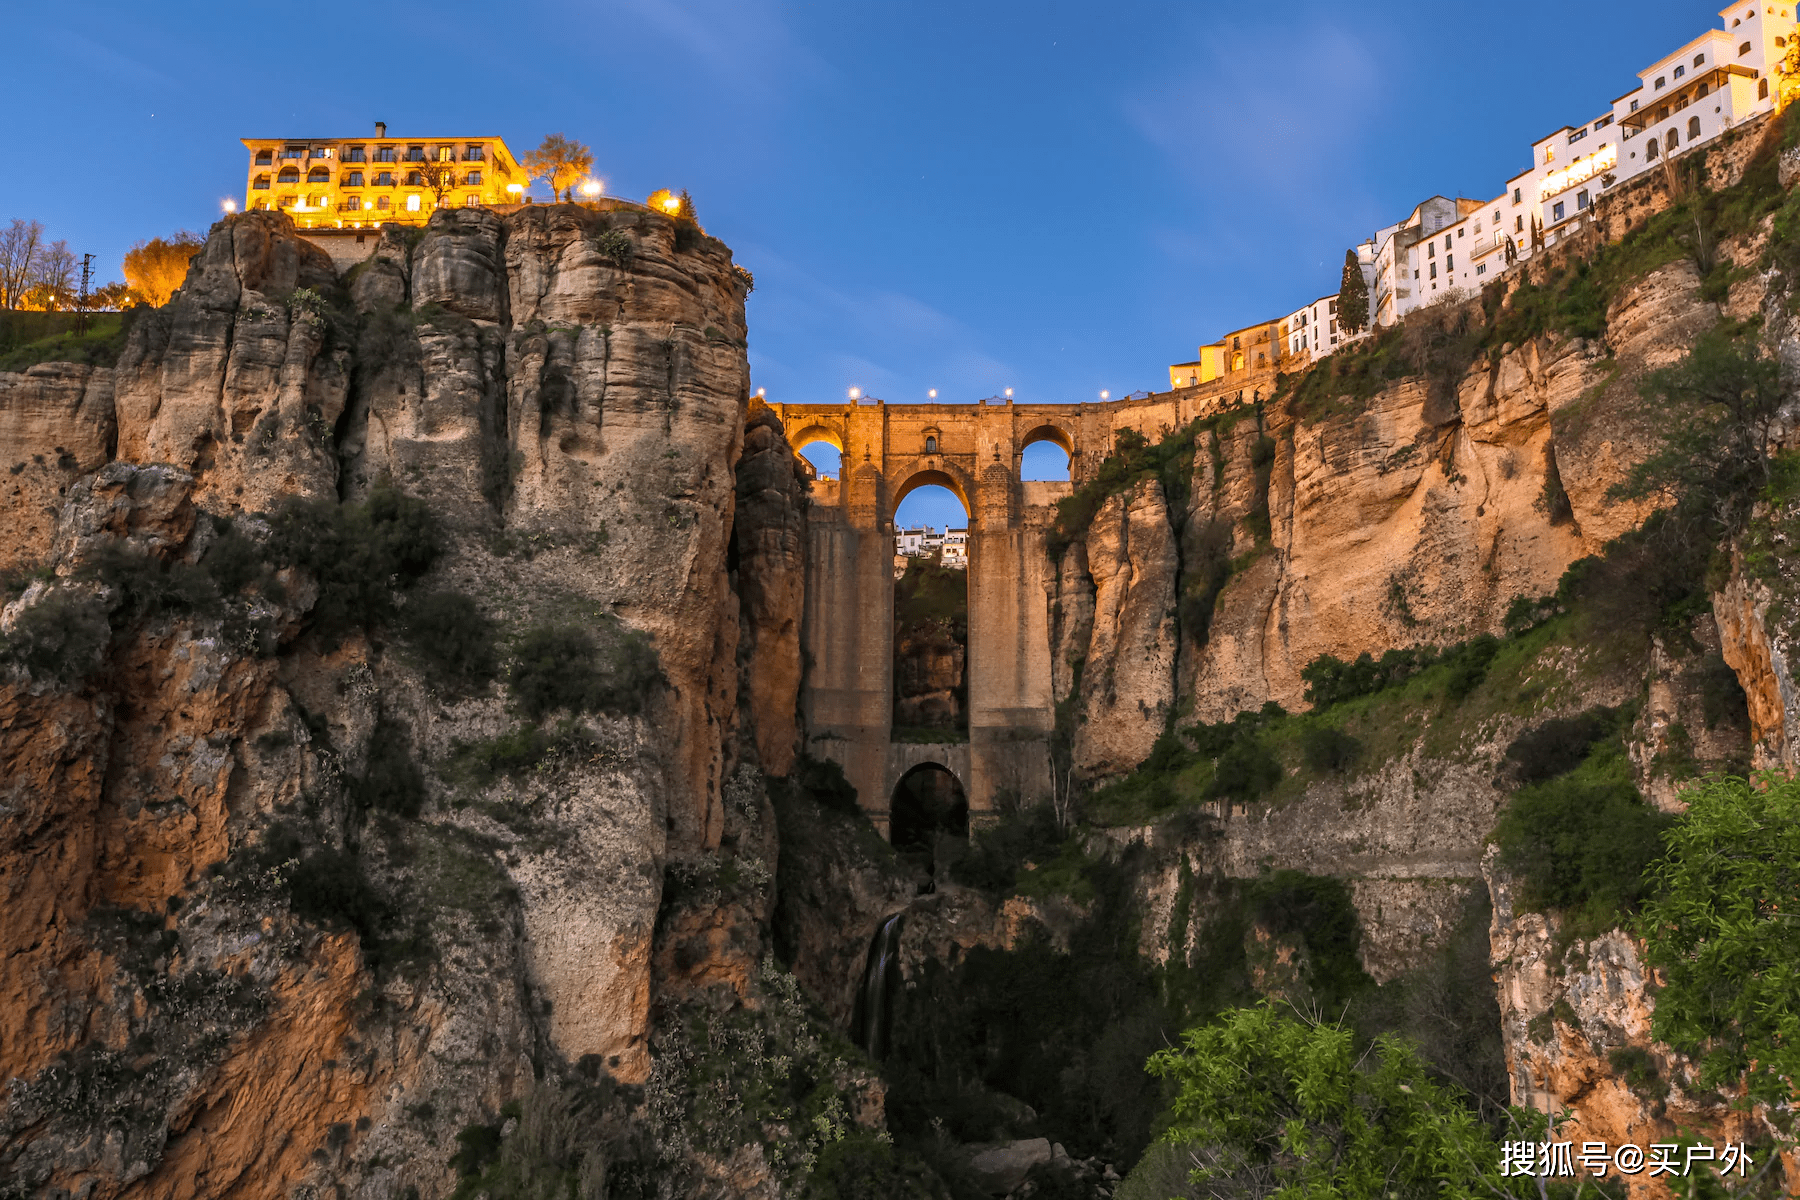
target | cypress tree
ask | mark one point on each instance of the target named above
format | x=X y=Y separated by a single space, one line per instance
x=1353 y=297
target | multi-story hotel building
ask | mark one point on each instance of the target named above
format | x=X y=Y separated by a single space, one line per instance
x=362 y=183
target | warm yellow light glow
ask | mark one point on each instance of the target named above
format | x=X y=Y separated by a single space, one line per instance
x=515 y=188
x=592 y=187
x=760 y=392
x=1009 y=393
x=932 y=393
x=1579 y=171
x=671 y=204
x=1106 y=395
x=230 y=206
x=856 y=393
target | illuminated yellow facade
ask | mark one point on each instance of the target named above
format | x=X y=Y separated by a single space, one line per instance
x=360 y=183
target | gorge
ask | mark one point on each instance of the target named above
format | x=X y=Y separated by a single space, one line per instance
x=449 y=741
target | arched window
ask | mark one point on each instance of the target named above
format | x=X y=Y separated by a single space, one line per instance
x=318 y=175
x=931 y=445
x=1693 y=128
x=353 y=179
x=1672 y=141
x=265 y=158
x=1743 y=49
x=471 y=201
x=1705 y=88
x=353 y=204
x=288 y=175
x=414 y=179
x=261 y=184
x=381 y=202
x=1762 y=89
x=1652 y=150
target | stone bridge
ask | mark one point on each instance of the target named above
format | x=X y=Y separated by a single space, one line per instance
x=848 y=628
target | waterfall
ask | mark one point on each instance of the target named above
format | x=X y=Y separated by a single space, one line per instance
x=874 y=1018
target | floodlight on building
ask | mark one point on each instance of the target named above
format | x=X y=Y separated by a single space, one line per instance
x=856 y=393
x=932 y=393
x=1106 y=395
x=761 y=392
x=671 y=204
x=1009 y=393
x=592 y=188
x=229 y=206
x=515 y=188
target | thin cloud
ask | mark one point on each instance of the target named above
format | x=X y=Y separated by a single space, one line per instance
x=1249 y=117
x=895 y=345
x=749 y=42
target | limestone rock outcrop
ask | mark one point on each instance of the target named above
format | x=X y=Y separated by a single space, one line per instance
x=1128 y=683
x=769 y=544
x=240 y=378
x=57 y=420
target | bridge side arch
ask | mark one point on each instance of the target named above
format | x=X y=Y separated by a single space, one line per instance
x=817 y=431
x=1050 y=431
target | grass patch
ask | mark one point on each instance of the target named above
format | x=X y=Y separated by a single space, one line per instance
x=518 y=752
x=100 y=346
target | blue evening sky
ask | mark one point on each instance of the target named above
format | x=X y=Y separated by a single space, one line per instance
x=1056 y=197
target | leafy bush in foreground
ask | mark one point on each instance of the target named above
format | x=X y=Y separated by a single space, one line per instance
x=1722 y=931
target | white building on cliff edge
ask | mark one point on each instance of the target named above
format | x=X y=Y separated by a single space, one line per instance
x=1447 y=248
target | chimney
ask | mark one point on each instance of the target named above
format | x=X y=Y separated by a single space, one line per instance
x=381 y=129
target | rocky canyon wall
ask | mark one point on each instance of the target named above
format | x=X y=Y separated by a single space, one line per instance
x=187 y=749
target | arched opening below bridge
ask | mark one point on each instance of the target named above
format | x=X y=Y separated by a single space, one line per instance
x=928 y=806
x=1044 y=462
x=1045 y=455
x=931 y=615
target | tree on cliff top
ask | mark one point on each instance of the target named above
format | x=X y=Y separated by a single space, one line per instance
x=20 y=245
x=1353 y=297
x=155 y=268
x=560 y=162
x=437 y=178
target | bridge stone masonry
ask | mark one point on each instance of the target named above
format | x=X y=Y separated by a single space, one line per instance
x=974 y=450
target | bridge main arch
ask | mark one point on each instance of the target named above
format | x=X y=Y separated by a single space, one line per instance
x=887 y=452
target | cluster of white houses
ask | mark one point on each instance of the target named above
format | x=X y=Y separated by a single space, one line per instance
x=1447 y=247
x=924 y=542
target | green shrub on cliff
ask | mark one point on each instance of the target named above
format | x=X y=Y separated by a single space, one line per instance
x=1579 y=843
x=392 y=781
x=1722 y=931
x=454 y=637
x=1330 y=680
x=62 y=637
x=359 y=554
x=606 y=667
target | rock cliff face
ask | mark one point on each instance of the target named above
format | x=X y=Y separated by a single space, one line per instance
x=1128 y=681
x=565 y=389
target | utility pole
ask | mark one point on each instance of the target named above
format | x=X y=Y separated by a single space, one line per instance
x=87 y=274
